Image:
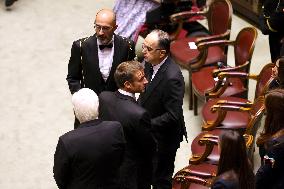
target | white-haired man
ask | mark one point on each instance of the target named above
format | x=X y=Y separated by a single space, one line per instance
x=90 y=156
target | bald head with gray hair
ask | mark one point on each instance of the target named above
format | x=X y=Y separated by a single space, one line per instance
x=85 y=104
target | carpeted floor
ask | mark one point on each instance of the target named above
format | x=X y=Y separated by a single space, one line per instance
x=36 y=37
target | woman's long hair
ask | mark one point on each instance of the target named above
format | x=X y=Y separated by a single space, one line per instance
x=274 y=105
x=234 y=157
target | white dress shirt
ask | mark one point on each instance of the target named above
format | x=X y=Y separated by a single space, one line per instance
x=105 y=59
x=157 y=67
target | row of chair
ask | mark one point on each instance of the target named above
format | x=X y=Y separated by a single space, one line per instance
x=225 y=113
x=222 y=87
x=211 y=53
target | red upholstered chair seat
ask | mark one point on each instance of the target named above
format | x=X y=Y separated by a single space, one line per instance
x=182 y=53
x=233 y=119
x=202 y=81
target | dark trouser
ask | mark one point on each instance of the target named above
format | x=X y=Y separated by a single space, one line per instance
x=128 y=174
x=144 y=173
x=275 y=45
x=163 y=165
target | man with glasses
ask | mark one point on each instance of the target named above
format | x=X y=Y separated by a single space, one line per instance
x=94 y=59
x=163 y=99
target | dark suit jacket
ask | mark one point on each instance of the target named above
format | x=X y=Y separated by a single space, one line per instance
x=89 y=156
x=163 y=99
x=87 y=73
x=135 y=121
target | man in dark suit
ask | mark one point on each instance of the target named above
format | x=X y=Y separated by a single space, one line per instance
x=90 y=156
x=94 y=59
x=121 y=106
x=163 y=99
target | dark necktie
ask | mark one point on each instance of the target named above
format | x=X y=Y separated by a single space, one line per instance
x=105 y=46
x=151 y=71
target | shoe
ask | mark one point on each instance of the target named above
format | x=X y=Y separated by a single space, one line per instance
x=9 y=3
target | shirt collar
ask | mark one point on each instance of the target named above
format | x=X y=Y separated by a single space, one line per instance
x=111 y=41
x=126 y=93
x=156 y=67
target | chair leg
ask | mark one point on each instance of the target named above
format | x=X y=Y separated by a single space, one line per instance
x=190 y=94
x=195 y=104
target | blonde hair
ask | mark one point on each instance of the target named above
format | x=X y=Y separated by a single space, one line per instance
x=85 y=104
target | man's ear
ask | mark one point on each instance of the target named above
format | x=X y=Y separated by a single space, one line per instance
x=127 y=85
x=163 y=53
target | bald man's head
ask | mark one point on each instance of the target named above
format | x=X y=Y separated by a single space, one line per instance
x=105 y=25
x=106 y=15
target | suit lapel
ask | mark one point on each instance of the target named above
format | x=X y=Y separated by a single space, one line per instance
x=117 y=47
x=94 y=59
x=155 y=82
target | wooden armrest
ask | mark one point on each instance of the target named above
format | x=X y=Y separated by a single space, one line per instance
x=211 y=136
x=223 y=79
x=215 y=138
x=222 y=112
x=214 y=40
x=185 y=15
x=230 y=69
x=187 y=180
x=210 y=141
x=248 y=139
x=223 y=82
x=201 y=43
x=188 y=172
x=215 y=108
x=227 y=102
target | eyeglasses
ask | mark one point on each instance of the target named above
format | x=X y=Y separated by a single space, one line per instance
x=148 y=48
x=103 y=28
